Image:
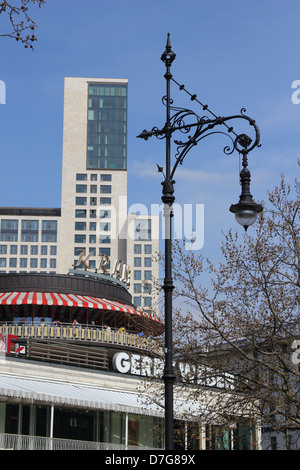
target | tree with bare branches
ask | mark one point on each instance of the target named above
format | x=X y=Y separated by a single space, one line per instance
x=238 y=335
x=246 y=323
x=19 y=23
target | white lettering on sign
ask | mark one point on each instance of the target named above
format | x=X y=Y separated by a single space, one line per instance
x=121 y=363
x=137 y=364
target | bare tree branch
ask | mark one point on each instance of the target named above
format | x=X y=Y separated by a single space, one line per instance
x=20 y=25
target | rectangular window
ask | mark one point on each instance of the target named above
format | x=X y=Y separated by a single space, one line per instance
x=147 y=275
x=33 y=262
x=92 y=264
x=13 y=249
x=137 y=301
x=29 y=230
x=3 y=249
x=105 y=226
x=92 y=239
x=81 y=188
x=104 y=239
x=148 y=249
x=43 y=263
x=93 y=188
x=137 y=262
x=93 y=177
x=80 y=238
x=93 y=201
x=24 y=250
x=80 y=225
x=137 y=249
x=93 y=213
x=137 y=288
x=274 y=443
x=147 y=288
x=12 y=262
x=105 y=201
x=105 y=189
x=49 y=230
x=53 y=263
x=137 y=275
x=9 y=230
x=105 y=177
x=104 y=251
x=142 y=229
x=81 y=177
x=2 y=262
x=147 y=262
x=93 y=226
x=34 y=250
x=53 y=250
x=147 y=301
x=81 y=201
x=105 y=214
x=80 y=213
x=44 y=250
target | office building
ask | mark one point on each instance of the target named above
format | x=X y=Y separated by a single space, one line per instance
x=94 y=171
x=29 y=240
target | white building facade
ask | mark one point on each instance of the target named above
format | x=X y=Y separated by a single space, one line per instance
x=29 y=240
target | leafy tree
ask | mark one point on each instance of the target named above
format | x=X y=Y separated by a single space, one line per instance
x=20 y=25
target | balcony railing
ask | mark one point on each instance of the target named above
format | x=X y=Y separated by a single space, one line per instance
x=82 y=333
x=21 y=442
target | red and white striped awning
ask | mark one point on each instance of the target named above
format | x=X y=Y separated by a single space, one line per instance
x=68 y=300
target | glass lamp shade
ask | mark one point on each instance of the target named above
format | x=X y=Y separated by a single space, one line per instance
x=246 y=212
x=246 y=217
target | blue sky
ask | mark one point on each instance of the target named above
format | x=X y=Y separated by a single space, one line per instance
x=232 y=54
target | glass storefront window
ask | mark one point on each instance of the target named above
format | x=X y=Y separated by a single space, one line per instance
x=116 y=428
x=110 y=427
x=73 y=424
x=145 y=431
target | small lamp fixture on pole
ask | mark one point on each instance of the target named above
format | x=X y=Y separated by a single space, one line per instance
x=246 y=209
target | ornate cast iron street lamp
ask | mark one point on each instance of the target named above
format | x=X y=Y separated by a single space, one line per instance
x=245 y=210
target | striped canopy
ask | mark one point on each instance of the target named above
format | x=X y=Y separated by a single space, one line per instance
x=68 y=300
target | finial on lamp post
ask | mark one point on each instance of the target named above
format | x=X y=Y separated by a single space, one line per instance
x=168 y=55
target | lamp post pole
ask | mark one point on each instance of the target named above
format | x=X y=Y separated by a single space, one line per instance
x=168 y=199
x=245 y=210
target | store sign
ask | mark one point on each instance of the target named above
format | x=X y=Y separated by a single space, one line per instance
x=9 y=346
x=120 y=270
x=136 y=364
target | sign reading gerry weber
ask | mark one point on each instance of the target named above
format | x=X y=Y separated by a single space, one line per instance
x=120 y=270
x=136 y=364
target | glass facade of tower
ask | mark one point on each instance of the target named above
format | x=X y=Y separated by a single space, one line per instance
x=107 y=126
